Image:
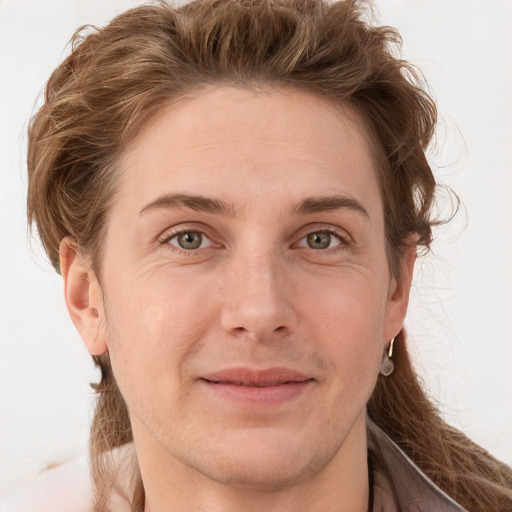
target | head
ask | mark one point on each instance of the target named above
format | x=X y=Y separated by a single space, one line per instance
x=229 y=187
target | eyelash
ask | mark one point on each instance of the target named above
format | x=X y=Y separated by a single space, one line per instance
x=344 y=240
x=171 y=234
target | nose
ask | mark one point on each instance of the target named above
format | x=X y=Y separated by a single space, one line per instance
x=258 y=298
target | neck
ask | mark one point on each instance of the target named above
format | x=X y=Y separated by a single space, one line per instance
x=341 y=484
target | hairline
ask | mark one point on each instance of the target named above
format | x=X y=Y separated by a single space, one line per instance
x=343 y=108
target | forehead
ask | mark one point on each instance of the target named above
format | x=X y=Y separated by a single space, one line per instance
x=248 y=143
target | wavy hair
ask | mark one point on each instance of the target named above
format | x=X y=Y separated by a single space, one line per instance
x=117 y=77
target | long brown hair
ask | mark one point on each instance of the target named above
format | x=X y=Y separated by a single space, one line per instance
x=116 y=78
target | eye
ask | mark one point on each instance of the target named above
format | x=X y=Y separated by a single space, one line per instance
x=319 y=240
x=189 y=240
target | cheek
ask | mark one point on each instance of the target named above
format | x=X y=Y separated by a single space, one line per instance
x=344 y=319
x=350 y=302
x=157 y=321
x=153 y=327
x=158 y=309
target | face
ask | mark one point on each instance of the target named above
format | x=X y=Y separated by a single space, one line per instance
x=245 y=296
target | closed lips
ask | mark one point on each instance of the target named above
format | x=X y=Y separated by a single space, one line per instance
x=255 y=384
x=256 y=378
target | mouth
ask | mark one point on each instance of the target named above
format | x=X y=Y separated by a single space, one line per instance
x=258 y=388
x=257 y=378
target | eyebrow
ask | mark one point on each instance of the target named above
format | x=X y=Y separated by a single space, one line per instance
x=308 y=206
x=196 y=203
x=329 y=204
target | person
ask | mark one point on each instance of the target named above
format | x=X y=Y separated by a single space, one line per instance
x=235 y=192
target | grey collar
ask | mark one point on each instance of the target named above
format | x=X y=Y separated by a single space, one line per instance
x=414 y=491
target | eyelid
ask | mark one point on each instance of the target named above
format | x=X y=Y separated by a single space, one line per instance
x=172 y=232
x=340 y=233
x=344 y=237
x=180 y=228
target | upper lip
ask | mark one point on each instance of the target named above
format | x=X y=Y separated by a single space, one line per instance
x=255 y=377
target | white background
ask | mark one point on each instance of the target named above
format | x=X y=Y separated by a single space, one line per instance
x=461 y=315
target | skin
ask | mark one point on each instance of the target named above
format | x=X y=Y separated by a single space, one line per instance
x=255 y=294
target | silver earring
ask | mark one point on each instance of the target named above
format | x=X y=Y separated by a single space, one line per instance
x=387 y=367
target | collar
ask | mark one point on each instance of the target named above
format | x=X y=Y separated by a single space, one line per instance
x=413 y=490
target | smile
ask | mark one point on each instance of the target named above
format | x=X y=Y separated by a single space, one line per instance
x=258 y=388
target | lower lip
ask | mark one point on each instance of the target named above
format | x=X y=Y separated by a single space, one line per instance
x=259 y=396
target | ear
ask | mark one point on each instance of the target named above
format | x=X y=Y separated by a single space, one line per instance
x=400 y=287
x=83 y=295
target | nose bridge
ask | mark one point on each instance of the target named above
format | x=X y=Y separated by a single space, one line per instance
x=257 y=298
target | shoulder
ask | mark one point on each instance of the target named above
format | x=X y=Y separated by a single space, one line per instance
x=65 y=488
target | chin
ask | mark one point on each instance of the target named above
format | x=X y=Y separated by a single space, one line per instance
x=254 y=474
x=260 y=460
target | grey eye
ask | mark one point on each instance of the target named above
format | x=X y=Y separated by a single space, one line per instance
x=188 y=240
x=319 y=240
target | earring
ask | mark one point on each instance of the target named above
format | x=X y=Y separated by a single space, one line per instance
x=387 y=367
x=390 y=351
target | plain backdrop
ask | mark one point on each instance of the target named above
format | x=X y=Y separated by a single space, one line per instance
x=460 y=321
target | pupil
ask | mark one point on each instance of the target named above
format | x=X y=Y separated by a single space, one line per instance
x=190 y=240
x=319 y=240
